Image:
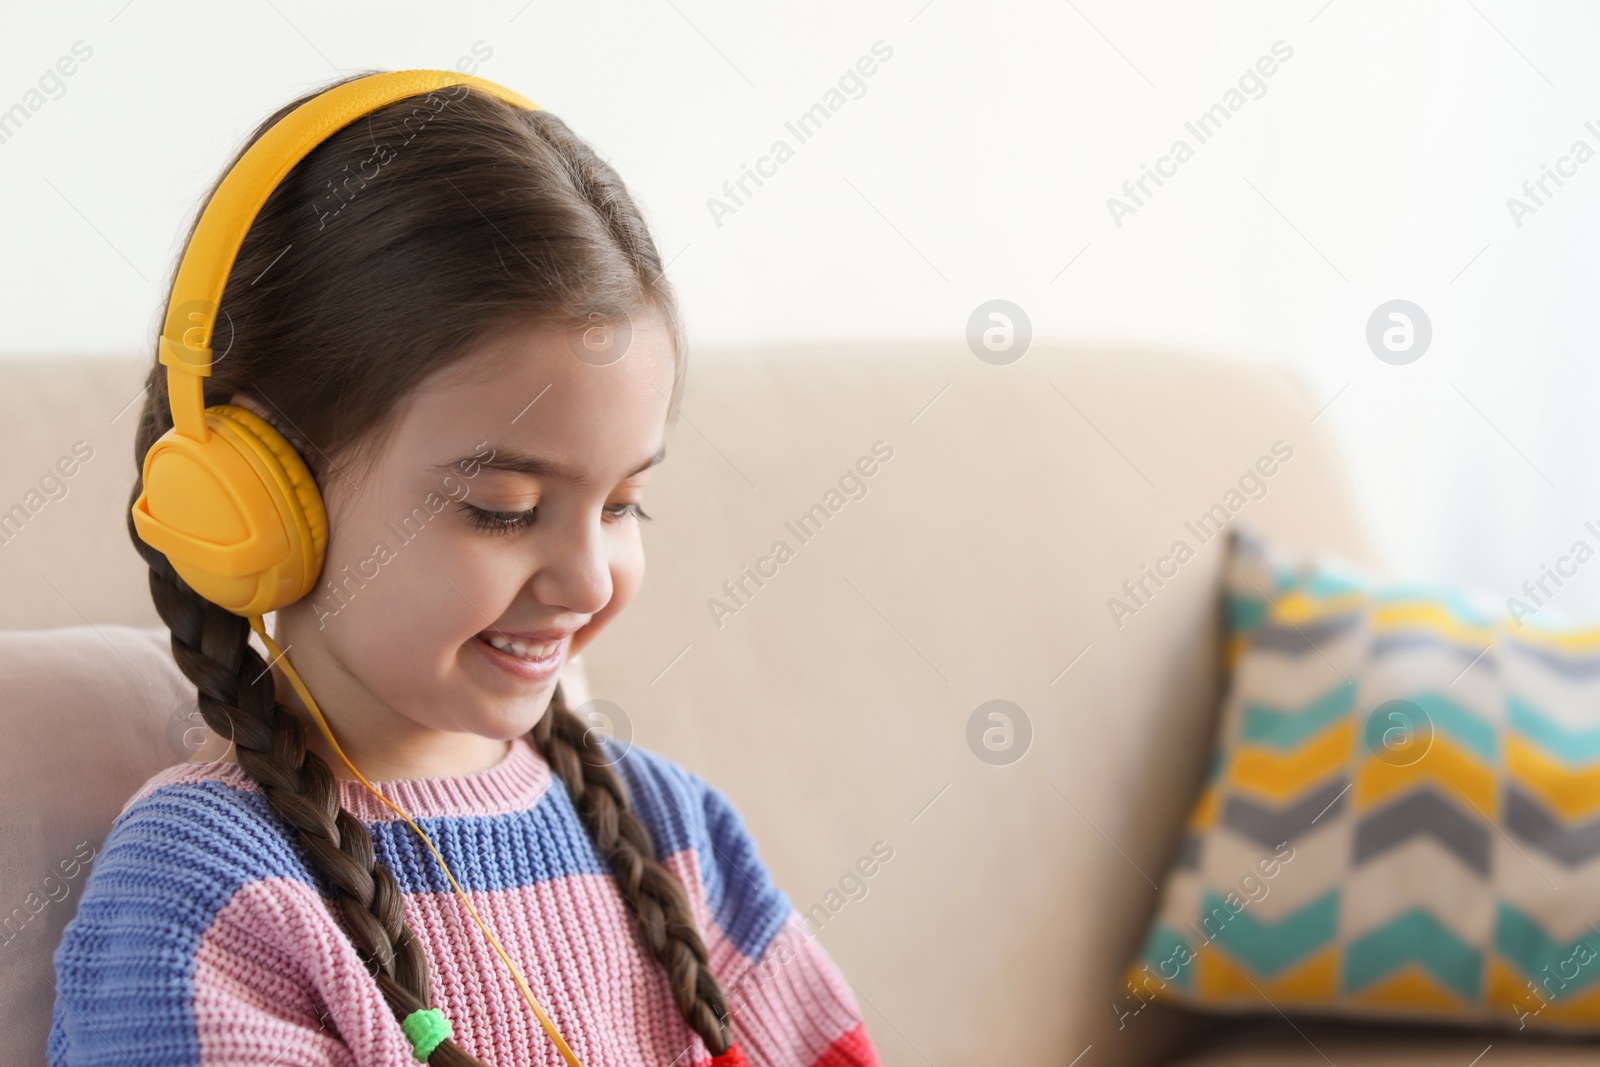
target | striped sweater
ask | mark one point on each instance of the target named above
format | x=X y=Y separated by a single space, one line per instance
x=203 y=938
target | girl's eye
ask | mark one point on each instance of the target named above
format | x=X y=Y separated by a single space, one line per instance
x=502 y=522
x=498 y=522
x=630 y=508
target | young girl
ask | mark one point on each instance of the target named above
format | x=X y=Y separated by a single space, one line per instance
x=453 y=310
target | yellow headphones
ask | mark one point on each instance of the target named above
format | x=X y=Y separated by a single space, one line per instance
x=226 y=497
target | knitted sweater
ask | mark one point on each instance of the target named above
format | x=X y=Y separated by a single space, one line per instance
x=202 y=937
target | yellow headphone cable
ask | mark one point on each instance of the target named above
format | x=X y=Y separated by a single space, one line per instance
x=278 y=656
x=225 y=497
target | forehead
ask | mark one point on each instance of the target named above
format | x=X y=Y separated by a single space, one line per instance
x=526 y=390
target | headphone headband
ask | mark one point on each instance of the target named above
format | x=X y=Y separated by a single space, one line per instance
x=225 y=497
x=203 y=273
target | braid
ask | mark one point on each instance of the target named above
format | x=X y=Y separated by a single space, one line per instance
x=654 y=896
x=237 y=699
x=236 y=695
x=211 y=646
x=550 y=193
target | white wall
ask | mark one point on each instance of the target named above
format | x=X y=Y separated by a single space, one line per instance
x=976 y=165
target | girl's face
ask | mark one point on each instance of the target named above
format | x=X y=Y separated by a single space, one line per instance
x=551 y=452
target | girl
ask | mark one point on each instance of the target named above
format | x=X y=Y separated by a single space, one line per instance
x=454 y=312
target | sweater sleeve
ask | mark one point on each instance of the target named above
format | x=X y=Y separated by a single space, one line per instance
x=199 y=941
x=790 y=1006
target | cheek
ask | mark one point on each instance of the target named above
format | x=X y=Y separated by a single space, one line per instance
x=627 y=575
x=396 y=611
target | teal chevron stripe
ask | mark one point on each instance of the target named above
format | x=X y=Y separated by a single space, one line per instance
x=1268 y=948
x=1166 y=949
x=1461 y=723
x=1559 y=968
x=1415 y=936
x=1573 y=747
x=1326 y=585
x=1289 y=729
x=1445 y=715
x=1245 y=613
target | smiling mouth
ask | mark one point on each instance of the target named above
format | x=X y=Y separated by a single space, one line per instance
x=533 y=652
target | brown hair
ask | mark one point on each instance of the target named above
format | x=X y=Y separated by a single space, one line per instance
x=381 y=257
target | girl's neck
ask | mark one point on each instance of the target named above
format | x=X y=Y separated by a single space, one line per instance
x=380 y=755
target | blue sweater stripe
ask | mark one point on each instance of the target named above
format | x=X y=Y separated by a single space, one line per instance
x=176 y=857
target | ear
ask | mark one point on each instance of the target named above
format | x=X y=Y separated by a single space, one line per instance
x=244 y=401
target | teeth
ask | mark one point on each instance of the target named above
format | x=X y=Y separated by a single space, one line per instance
x=519 y=648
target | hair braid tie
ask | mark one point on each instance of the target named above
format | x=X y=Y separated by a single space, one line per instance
x=731 y=1057
x=237 y=698
x=336 y=354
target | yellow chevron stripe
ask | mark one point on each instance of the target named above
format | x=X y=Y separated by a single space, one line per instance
x=1571 y=642
x=1508 y=993
x=1238 y=645
x=1204 y=815
x=1429 y=615
x=1413 y=987
x=1218 y=978
x=1149 y=985
x=1456 y=771
x=1572 y=793
x=1279 y=777
x=1299 y=607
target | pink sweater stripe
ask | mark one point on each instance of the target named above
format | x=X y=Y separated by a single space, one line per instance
x=793 y=979
x=201 y=901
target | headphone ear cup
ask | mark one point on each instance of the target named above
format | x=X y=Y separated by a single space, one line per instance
x=239 y=517
x=287 y=461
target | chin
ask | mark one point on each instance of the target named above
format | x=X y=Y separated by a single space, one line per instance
x=506 y=727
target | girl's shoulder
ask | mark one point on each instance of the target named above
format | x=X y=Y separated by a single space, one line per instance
x=679 y=807
x=200 y=901
x=205 y=825
x=223 y=771
x=694 y=822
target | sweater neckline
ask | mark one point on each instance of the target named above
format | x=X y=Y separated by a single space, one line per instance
x=514 y=783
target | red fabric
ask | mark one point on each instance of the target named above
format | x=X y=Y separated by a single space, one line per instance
x=854 y=1049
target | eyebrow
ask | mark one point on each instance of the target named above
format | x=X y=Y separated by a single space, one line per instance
x=509 y=459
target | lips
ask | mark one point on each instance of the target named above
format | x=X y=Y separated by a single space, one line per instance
x=532 y=645
x=537 y=663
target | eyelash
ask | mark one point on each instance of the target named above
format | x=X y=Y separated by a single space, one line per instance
x=504 y=522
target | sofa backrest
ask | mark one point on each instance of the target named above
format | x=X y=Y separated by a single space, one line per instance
x=857 y=548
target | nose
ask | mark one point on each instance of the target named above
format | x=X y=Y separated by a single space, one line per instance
x=573 y=566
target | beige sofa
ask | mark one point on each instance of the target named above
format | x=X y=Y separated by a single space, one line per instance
x=834 y=705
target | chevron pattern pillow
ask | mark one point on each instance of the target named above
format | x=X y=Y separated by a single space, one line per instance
x=1402 y=813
